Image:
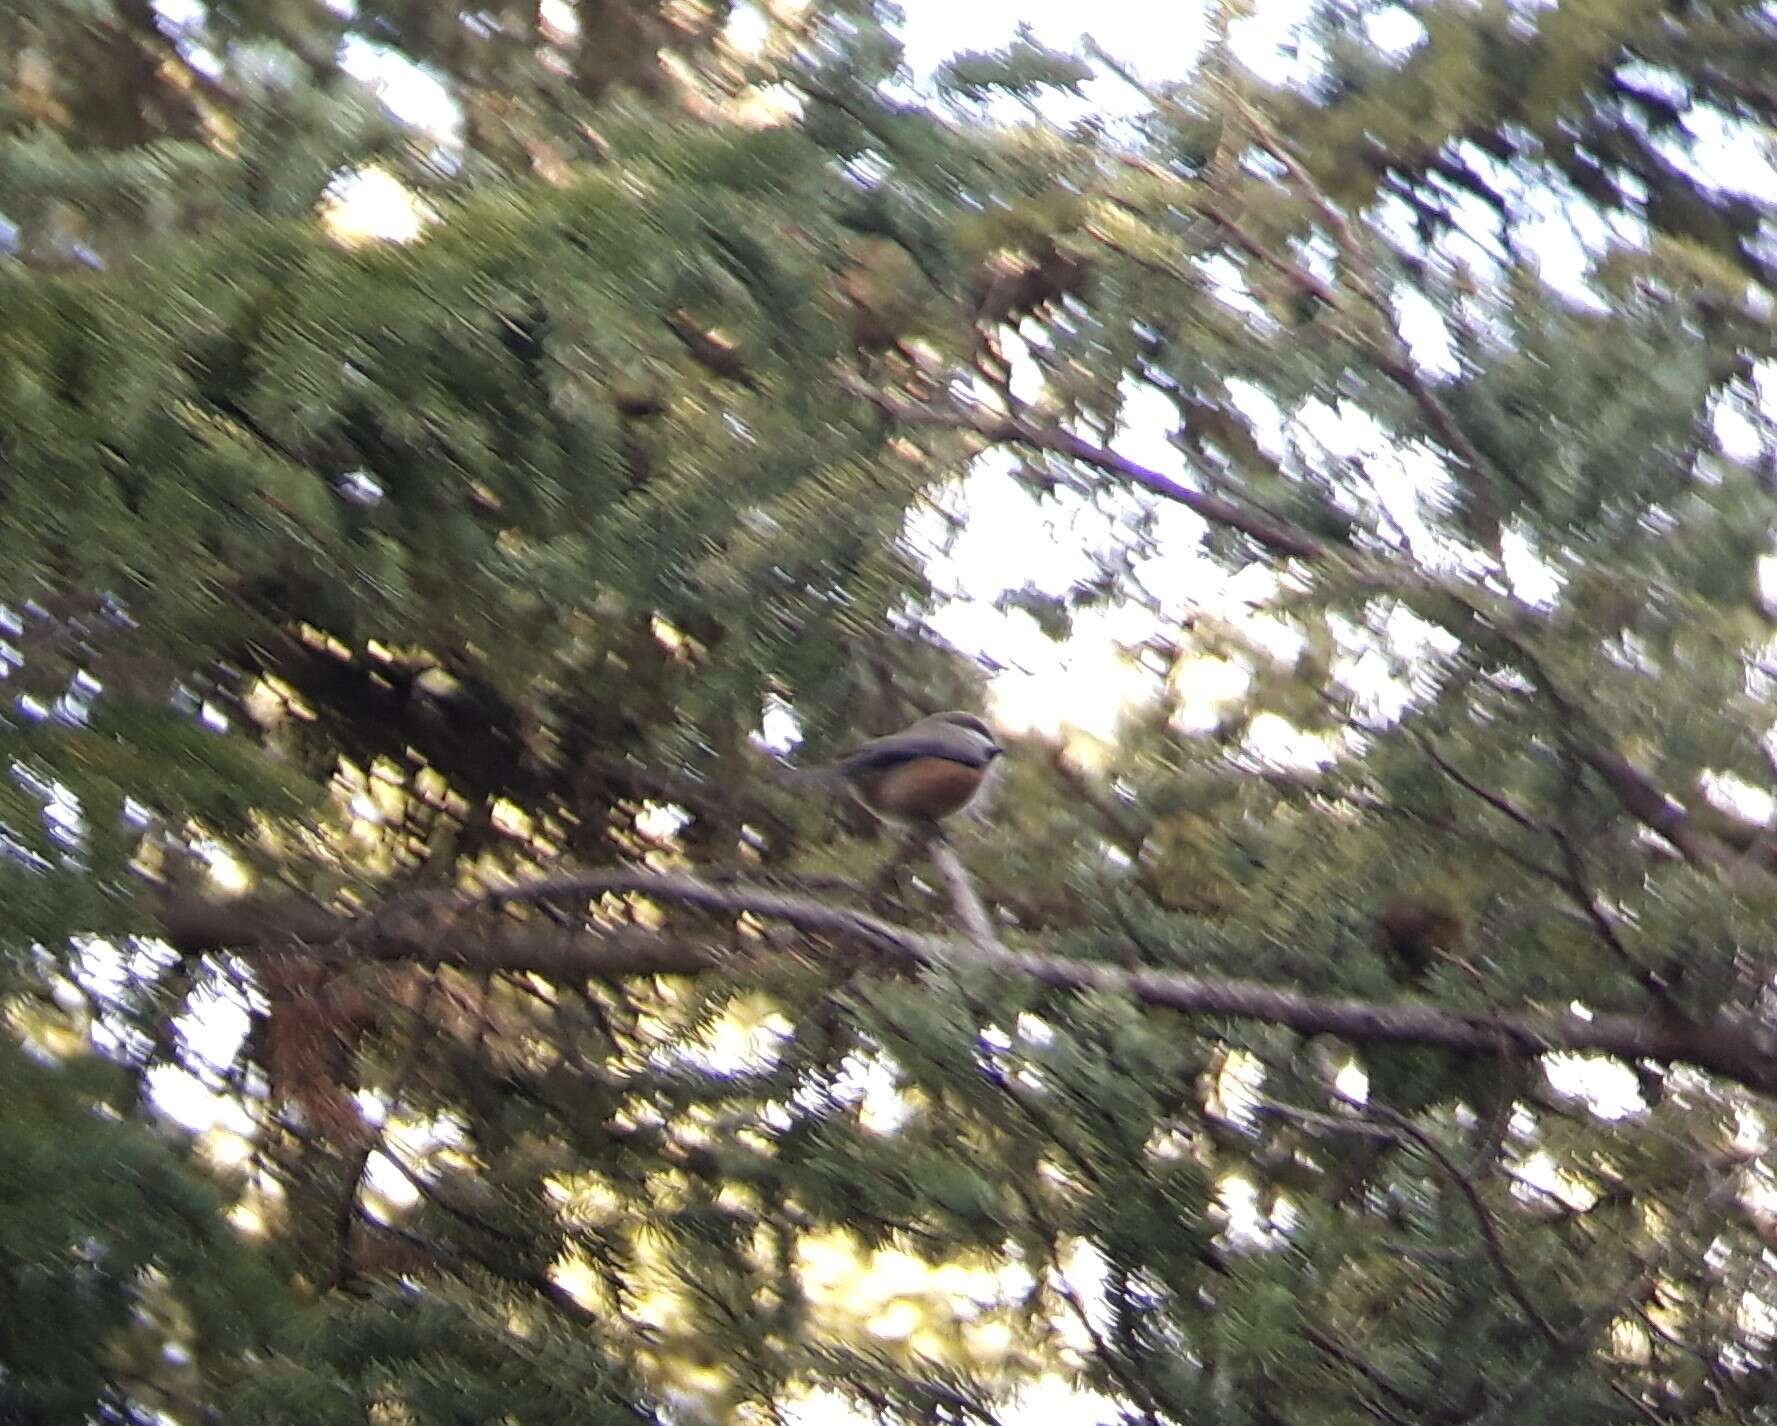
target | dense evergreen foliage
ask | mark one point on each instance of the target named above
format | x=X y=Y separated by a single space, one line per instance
x=1379 y=1027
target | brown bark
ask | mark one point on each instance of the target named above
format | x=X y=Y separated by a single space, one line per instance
x=456 y=930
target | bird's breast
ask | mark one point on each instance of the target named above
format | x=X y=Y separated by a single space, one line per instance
x=925 y=787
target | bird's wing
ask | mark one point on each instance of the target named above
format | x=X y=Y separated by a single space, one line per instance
x=904 y=747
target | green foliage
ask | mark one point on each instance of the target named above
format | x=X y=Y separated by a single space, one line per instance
x=435 y=1358
x=364 y=573
x=115 y=1249
x=1023 y=69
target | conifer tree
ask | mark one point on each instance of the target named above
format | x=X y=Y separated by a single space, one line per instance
x=390 y=628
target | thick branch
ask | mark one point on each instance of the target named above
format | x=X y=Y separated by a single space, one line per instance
x=426 y=934
x=442 y=931
x=1643 y=800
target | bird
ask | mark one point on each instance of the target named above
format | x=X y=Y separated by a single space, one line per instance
x=923 y=773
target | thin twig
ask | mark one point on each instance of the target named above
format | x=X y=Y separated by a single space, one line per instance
x=1490 y=1239
x=1579 y=888
x=1497 y=801
x=1133 y=1387
x=1635 y=1289
x=1274 y=535
x=969 y=906
x=1392 y=356
x=1349 y=1357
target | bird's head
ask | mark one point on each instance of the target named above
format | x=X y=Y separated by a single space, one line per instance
x=969 y=723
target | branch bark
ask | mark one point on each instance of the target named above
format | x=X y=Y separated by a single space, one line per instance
x=446 y=931
x=968 y=902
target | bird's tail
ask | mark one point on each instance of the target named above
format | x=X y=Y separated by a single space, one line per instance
x=805 y=778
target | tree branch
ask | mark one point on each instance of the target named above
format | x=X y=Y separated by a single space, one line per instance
x=1643 y=800
x=427 y=932
x=1392 y=356
x=1496 y=1253
x=1634 y=1290
x=962 y=891
x=1274 y=535
x=440 y=931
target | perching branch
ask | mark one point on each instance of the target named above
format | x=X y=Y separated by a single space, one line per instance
x=962 y=890
x=453 y=931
